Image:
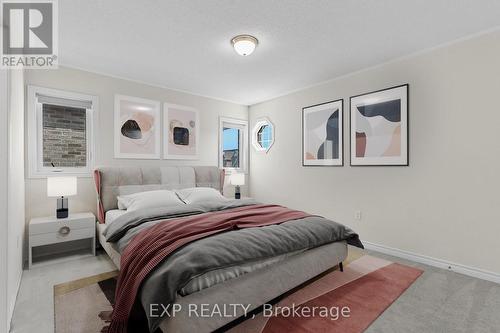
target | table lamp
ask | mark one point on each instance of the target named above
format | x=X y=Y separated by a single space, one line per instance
x=237 y=179
x=61 y=187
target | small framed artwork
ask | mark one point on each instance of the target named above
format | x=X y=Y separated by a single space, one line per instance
x=181 y=125
x=137 y=128
x=322 y=134
x=379 y=127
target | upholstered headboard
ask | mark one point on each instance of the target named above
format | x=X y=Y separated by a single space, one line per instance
x=109 y=179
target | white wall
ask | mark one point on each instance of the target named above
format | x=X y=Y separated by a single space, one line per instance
x=445 y=204
x=12 y=196
x=4 y=144
x=105 y=88
x=16 y=195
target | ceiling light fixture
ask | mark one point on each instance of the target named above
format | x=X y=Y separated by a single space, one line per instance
x=244 y=45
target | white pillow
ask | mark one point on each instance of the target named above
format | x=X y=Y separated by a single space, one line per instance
x=148 y=199
x=199 y=195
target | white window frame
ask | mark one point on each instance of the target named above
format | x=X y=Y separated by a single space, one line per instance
x=242 y=125
x=255 y=133
x=35 y=133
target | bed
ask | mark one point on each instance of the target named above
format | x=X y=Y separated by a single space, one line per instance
x=251 y=287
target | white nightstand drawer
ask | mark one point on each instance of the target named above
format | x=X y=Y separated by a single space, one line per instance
x=61 y=235
x=51 y=230
x=52 y=225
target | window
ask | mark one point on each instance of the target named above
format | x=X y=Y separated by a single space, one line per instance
x=263 y=135
x=60 y=132
x=64 y=141
x=233 y=144
x=231 y=147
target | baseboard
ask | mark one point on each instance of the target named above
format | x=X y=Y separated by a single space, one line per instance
x=12 y=304
x=454 y=267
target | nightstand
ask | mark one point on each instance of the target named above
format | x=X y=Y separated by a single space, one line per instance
x=51 y=230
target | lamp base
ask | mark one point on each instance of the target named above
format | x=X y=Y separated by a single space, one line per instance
x=62 y=213
x=62 y=210
x=237 y=193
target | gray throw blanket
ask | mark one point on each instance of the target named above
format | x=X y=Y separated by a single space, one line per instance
x=221 y=250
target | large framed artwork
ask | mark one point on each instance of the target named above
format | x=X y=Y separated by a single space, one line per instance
x=322 y=134
x=181 y=125
x=379 y=127
x=137 y=128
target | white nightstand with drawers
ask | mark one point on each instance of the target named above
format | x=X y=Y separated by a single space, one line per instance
x=51 y=230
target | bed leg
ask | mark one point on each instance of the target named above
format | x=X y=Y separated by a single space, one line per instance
x=341 y=266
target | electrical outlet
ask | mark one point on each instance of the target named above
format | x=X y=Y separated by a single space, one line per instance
x=357 y=215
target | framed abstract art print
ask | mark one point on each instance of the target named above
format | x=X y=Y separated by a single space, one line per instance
x=322 y=134
x=181 y=126
x=137 y=128
x=379 y=127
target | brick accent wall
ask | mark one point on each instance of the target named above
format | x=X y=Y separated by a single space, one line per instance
x=64 y=136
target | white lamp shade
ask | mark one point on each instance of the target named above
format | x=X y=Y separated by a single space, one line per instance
x=61 y=186
x=238 y=179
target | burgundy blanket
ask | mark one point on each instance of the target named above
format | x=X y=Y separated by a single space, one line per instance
x=150 y=247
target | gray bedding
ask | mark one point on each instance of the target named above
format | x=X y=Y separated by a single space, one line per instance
x=216 y=276
x=244 y=249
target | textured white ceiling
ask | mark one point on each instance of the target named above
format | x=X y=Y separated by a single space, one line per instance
x=185 y=44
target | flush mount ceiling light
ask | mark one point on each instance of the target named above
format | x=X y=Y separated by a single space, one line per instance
x=244 y=45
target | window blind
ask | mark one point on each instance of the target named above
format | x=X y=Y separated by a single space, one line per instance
x=73 y=103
